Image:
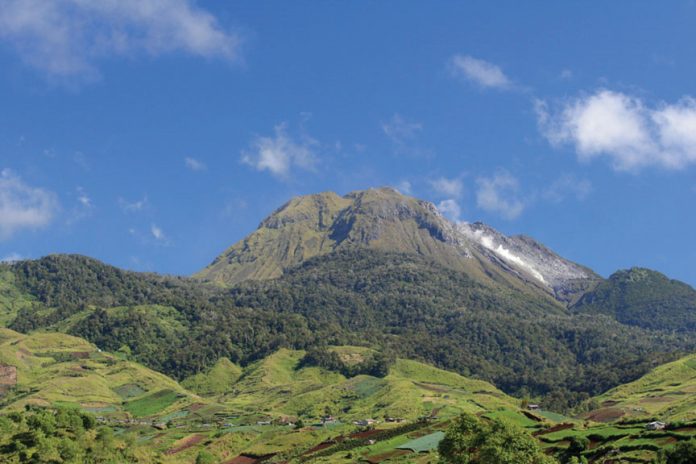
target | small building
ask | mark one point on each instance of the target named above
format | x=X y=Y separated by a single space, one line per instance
x=533 y=407
x=365 y=422
x=655 y=425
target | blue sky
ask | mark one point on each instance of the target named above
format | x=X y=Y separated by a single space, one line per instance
x=152 y=134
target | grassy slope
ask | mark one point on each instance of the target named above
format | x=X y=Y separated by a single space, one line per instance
x=54 y=368
x=412 y=389
x=667 y=392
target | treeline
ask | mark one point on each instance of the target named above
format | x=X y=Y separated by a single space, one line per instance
x=402 y=304
x=376 y=364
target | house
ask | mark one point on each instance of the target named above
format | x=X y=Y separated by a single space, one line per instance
x=365 y=422
x=533 y=407
x=656 y=425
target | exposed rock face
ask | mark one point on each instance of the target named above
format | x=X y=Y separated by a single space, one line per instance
x=525 y=255
x=386 y=220
x=8 y=378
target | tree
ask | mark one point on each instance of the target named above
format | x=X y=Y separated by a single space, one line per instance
x=472 y=441
x=683 y=452
x=204 y=457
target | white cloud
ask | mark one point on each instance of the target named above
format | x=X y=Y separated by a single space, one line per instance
x=567 y=185
x=66 y=37
x=134 y=206
x=84 y=199
x=623 y=128
x=157 y=232
x=279 y=154
x=23 y=206
x=448 y=187
x=12 y=258
x=404 y=187
x=451 y=209
x=479 y=71
x=400 y=131
x=195 y=165
x=498 y=194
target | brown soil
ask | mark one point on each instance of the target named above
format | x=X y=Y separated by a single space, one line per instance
x=605 y=415
x=555 y=428
x=186 y=443
x=377 y=458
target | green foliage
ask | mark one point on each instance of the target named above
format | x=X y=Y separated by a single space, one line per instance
x=59 y=436
x=683 y=452
x=643 y=298
x=376 y=364
x=205 y=457
x=398 y=303
x=473 y=441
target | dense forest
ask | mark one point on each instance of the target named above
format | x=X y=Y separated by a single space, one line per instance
x=398 y=303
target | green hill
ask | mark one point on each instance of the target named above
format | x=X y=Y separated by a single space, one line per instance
x=277 y=385
x=643 y=298
x=668 y=392
x=54 y=369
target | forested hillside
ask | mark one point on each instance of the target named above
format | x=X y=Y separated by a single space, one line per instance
x=402 y=303
x=643 y=298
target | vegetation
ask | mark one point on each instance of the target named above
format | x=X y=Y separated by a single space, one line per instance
x=643 y=298
x=47 y=436
x=473 y=441
x=398 y=303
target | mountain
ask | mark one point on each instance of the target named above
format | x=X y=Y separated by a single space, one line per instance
x=373 y=268
x=643 y=298
x=385 y=220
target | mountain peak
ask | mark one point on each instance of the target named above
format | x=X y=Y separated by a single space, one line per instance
x=384 y=219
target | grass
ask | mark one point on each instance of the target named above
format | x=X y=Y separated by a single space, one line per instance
x=152 y=404
x=667 y=392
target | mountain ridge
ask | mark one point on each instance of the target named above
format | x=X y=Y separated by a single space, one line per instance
x=384 y=219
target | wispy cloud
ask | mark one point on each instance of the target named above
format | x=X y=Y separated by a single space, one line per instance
x=401 y=131
x=567 y=185
x=404 y=186
x=67 y=37
x=281 y=153
x=451 y=209
x=23 y=206
x=449 y=187
x=623 y=128
x=195 y=165
x=498 y=194
x=133 y=206
x=480 y=72
x=158 y=234
x=12 y=258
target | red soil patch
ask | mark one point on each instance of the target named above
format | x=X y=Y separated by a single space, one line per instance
x=241 y=459
x=555 y=428
x=195 y=407
x=248 y=459
x=323 y=445
x=186 y=444
x=80 y=354
x=376 y=459
x=431 y=387
x=605 y=415
x=534 y=417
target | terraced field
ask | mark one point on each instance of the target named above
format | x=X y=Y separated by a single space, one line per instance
x=667 y=393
